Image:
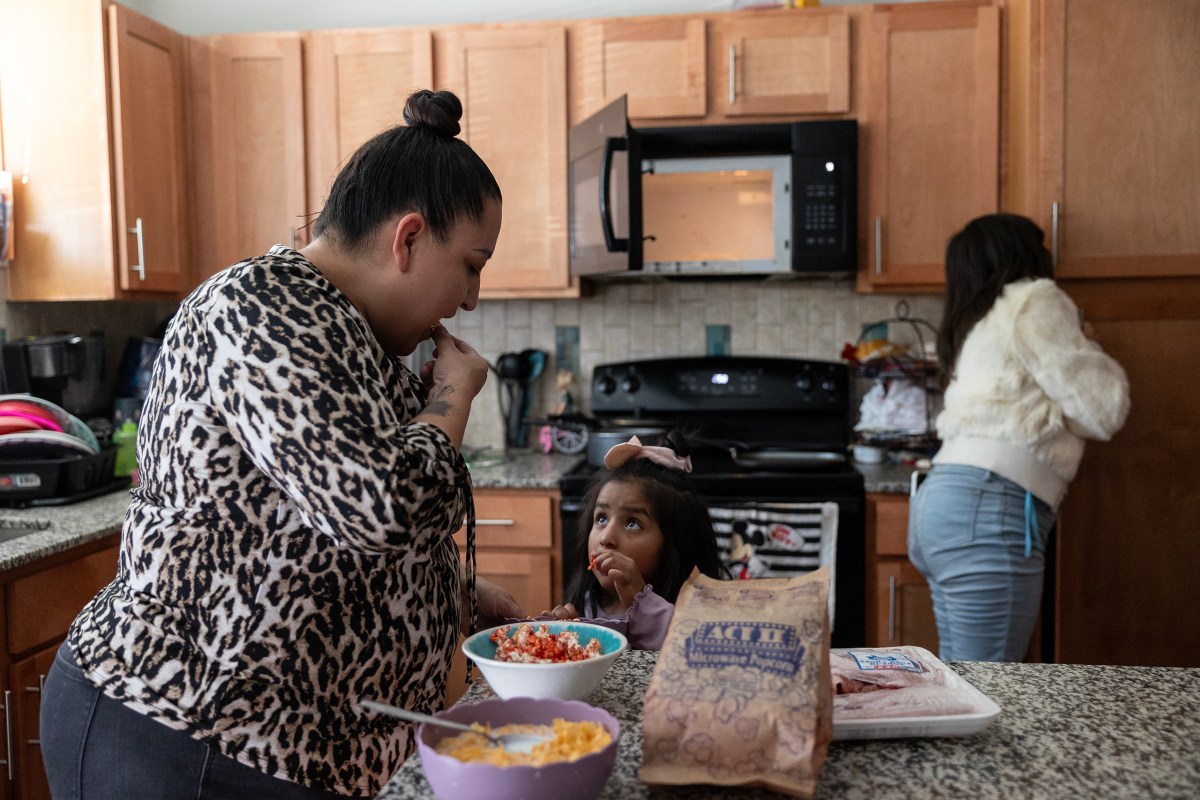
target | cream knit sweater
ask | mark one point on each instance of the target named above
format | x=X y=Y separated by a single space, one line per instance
x=1028 y=388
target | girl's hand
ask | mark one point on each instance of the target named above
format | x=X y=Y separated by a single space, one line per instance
x=561 y=612
x=621 y=572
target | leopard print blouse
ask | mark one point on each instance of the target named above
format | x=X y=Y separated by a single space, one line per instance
x=289 y=549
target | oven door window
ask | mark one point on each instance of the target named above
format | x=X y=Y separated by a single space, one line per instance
x=778 y=540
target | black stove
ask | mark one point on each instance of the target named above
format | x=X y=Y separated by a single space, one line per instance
x=770 y=438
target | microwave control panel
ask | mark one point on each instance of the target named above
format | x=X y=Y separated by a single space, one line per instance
x=820 y=213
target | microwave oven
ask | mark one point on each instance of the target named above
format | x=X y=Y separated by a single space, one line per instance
x=711 y=200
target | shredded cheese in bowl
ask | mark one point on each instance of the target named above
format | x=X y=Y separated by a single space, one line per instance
x=569 y=741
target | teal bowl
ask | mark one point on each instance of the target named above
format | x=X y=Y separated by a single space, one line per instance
x=573 y=680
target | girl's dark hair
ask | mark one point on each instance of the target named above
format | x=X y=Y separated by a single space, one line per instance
x=981 y=259
x=688 y=538
x=420 y=167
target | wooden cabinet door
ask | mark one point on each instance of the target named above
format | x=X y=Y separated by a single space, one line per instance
x=55 y=142
x=933 y=136
x=247 y=146
x=904 y=609
x=796 y=63
x=512 y=82
x=26 y=678
x=658 y=63
x=1120 y=134
x=356 y=83
x=1126 y=545
x=147 y=64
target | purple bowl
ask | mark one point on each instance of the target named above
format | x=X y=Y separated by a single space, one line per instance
x=582 y=779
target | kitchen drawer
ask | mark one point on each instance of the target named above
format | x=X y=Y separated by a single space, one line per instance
x=42 y=606
x=887 y=516
x=512 y=519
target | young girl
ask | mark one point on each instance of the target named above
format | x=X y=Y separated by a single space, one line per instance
x=642 y=532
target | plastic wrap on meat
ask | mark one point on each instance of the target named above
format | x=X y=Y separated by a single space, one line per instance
x=878 y=683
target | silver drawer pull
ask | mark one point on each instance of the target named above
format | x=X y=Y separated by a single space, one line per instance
x=891 y=608
x=502 y=522
x=140 y=267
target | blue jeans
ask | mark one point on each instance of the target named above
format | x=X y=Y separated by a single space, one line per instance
x=968 y=532
x=97 y=748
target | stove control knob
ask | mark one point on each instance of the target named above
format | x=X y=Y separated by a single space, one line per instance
x=804 y=383
x=606 y=384
x=828 y=385
x=631 y=384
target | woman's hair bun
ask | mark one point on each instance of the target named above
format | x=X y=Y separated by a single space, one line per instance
x=436 y=111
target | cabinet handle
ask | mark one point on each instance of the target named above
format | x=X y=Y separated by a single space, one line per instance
x=878 y=245
x=732 y=74
x=892 y=608
x=8 y=733
x=505 y=522
x=140 y=267
x=1054 y=234
x=293 y=238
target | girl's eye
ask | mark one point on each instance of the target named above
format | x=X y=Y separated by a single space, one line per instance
x=633 y=524
x=601 y=519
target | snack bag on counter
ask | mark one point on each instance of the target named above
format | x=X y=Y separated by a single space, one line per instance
x=741 y=694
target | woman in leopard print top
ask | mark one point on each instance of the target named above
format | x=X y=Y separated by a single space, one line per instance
x=289 y=549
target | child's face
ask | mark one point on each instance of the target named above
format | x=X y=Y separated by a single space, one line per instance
x=622 y=522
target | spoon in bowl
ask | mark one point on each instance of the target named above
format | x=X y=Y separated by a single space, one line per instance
x=512 y=742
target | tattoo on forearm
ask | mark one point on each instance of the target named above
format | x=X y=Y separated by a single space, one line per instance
x=439 y=401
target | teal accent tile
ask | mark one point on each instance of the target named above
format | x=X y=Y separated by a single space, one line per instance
x=566 y=348
x=716 y=340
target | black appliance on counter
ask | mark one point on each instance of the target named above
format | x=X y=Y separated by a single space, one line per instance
x=65 y=368
x=769 y=437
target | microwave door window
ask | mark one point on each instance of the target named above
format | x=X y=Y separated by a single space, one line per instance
x=716 y=215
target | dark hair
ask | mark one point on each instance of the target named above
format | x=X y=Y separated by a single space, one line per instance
x=981 y=259
x=420 y=167
x=688 y=538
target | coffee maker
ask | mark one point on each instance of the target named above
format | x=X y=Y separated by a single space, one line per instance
x=65 y=368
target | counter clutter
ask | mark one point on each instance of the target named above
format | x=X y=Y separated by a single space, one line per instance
x=1064 y=731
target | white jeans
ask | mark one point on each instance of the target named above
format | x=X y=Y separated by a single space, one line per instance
x=967 y=534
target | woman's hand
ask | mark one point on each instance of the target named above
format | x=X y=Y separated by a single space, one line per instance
x=620 y=570
x=452 y=380
x=455 y=364
x=494 y=605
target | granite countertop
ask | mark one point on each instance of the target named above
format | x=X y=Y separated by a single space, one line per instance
x=66 y=526
x=1064 y=731
x=529 y=470
x=519 y=469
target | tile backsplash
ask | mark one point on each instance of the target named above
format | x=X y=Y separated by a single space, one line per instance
x=656 y=319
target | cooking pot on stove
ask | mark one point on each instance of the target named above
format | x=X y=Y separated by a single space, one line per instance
x=601 y=441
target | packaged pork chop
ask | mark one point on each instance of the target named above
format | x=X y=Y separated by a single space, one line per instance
x=741 y=692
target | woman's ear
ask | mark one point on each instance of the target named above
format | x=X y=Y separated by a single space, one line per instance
x=404 y=235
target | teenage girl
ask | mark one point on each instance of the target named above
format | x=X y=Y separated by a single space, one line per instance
x=1025 y=386
x=641 y=533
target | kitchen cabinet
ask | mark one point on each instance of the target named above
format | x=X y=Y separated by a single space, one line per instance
x=355 y=85
x=899 y=607
x=247 y=147
x=714 y=68
x=94 y=133
x=38 y=603
x=1119 y=122
x=659 y=63
x=1126 y=549
x=795 y=62
x=513 y=85
x=933 y=125
x=518 y=547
